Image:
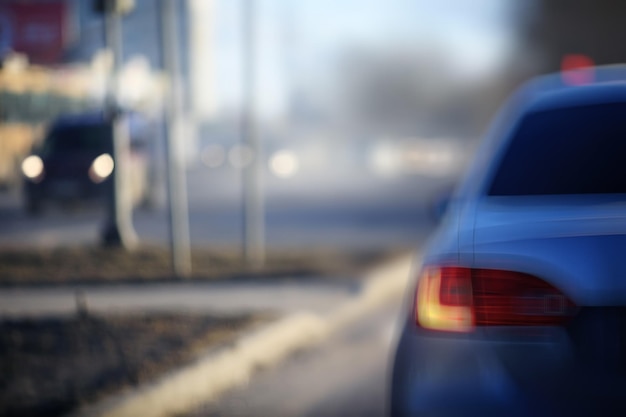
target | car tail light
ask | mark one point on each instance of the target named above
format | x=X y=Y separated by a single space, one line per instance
x=459 y=299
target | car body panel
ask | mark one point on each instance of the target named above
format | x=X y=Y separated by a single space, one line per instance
x=572 y=243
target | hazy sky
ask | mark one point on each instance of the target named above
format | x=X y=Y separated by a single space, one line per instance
x=301 y=39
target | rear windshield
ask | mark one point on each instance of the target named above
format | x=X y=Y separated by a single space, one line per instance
x=577 y=150
x=88 y=138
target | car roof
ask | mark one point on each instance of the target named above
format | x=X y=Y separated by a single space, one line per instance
x=77 y=120
x=614 y=92
x=586 y=86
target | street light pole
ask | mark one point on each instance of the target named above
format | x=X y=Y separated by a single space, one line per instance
x=253 y=210
x=176 y=178
x=118 y=230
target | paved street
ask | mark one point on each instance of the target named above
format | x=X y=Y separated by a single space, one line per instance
x=359 y=214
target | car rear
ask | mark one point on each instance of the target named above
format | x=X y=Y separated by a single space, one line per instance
x=519 y=306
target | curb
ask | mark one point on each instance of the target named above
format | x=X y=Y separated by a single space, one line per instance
x=204 y=380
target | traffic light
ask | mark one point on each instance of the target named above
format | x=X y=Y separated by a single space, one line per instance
x=576 y=61
x=577 y=69
x=113 y=6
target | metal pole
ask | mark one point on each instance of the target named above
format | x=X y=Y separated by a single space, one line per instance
x=254 y=216
x=176 y=178
x=118 y=230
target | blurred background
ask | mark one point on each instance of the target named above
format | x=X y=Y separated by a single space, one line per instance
x=254 y=130
x=364 y=113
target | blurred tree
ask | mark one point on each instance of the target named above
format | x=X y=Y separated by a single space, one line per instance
x=412 y=92
x=552 y=29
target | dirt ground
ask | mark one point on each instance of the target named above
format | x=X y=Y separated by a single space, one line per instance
x=97 y=264
x=51 y=366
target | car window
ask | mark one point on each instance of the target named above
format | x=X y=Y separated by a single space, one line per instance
x=576 y=150
x=78 y=139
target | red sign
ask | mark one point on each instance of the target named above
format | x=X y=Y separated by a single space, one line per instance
x=36 y=29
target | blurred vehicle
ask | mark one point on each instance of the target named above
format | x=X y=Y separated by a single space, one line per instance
x=75 y=164
x=519 y=307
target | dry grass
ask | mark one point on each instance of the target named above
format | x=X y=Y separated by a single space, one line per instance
x=52 y=366
x=97 y=264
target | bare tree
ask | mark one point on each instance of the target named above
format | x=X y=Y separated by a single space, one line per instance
x=552 y=29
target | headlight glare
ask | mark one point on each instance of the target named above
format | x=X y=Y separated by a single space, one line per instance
x=101 y=168
x=32 y=168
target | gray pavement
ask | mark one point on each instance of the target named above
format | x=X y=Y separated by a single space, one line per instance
x=220 y=297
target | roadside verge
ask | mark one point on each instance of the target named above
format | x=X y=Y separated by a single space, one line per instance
x=187 y=388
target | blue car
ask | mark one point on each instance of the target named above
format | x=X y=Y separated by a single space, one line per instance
x=518 y=306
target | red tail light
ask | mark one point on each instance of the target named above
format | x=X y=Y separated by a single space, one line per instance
x=458 y=299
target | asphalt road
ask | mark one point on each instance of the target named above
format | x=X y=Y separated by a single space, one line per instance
x=344 y=376
x=343 y=212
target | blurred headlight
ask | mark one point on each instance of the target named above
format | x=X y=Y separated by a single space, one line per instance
x=32 y=167
x=101 y=168
x=284 y=164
